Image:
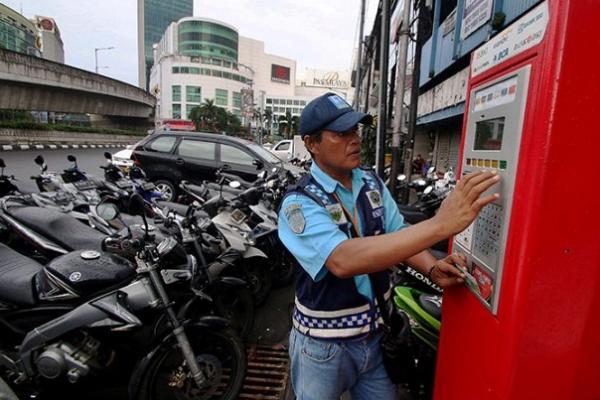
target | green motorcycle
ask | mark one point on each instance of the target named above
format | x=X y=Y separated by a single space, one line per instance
x=420 y=301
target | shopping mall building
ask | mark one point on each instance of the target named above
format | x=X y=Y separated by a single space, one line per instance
x=199 y=58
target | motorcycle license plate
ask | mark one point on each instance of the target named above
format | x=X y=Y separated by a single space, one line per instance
x=238 y=216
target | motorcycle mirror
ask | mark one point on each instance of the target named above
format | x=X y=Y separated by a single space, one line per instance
x=234 y=184
x=136 y=205
x=421 y=182
x=107 y=155
x=430 y=170
x=71 y=158
x=39 y=160
x=428 y=190
x=401 y=178
x=2 y=165
x=107 y=211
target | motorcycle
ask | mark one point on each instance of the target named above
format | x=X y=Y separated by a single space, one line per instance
x=89 y=312
x=6 y=182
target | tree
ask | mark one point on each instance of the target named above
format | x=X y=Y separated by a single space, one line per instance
x=205 y=116
x=286 y=123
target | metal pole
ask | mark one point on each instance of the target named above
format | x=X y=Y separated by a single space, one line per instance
x=360 y=53
x=400 y=83
x=384 y=39
x=96 y=58
x=414 y=98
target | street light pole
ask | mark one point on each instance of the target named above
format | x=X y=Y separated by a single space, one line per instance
x=96 y=54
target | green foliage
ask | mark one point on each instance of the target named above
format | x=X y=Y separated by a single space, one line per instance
x=288 y=125
x=15 y=115
x=209 y=117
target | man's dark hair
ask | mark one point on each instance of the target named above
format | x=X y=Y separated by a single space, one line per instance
x=317 y=137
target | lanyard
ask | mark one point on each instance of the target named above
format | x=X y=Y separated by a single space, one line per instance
x=353 y=219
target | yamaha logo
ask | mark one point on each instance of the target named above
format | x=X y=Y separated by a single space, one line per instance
x=75 y=276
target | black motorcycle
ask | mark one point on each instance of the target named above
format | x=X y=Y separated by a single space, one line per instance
x=88 y=313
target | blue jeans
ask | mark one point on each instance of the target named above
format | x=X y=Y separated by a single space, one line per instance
x=323 y=369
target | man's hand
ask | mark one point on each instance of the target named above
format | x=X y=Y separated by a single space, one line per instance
x=448 y=271
x=463 y=204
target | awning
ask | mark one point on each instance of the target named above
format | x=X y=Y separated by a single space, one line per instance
x=439 y=115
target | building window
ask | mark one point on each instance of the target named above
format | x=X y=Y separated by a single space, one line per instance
x=269 y=109
x=193 y=94
x=176 y=92
x=237 y=99
x=269 y=101
x=289 y=102
x=175 y=70
x=184 y=70
x=176 y=111
x=221 y=97
x=189 y=108
x=217 y=73
x=194 y=70
x=275 y=101
x=296 y=103
x=205 y=71
x=302 y=102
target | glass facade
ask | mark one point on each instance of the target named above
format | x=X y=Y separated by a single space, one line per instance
x=207 y=39
x=158 y=14
x=193 y=94
x=237 y=99
x=221 y=97
x=176 y=111
x=209 y=72
x=14 y=35
x=176 y=93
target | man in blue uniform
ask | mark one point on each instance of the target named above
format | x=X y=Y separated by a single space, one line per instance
x=342 y=224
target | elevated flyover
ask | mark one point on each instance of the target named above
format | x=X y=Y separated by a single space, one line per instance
x=31 y=83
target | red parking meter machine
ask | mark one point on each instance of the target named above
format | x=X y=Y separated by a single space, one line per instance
x=527 y=323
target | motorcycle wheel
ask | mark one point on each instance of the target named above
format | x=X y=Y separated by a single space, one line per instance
x=284 y=270
x=260 y=279
x=221 y=357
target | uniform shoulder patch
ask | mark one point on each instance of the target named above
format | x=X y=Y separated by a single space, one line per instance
x=295 y=217
x=375 y=198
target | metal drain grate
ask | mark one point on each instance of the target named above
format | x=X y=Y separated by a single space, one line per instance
x=267 y=373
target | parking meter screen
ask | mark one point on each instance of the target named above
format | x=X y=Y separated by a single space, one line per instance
x=488 y=134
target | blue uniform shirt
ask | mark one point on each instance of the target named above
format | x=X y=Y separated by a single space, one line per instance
x=320 y=235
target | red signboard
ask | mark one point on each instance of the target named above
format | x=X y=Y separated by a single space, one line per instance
x=279 y=73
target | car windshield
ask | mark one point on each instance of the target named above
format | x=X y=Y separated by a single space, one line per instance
x=266 y=155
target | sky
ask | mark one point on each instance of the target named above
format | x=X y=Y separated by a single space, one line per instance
x=318 y=34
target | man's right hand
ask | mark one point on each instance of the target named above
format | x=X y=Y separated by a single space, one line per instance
x=463 y=204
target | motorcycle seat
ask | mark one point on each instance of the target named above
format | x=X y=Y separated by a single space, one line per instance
x=180 y=209
x=412 y=215
x=16 y=277
x=226 y=189
x=432 y=304
x=61 y=228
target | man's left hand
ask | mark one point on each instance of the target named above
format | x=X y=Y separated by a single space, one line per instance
x=449 y=271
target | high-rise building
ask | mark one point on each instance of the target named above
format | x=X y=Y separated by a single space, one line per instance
x=52 y=44
x=154 y=16
x=17 y=33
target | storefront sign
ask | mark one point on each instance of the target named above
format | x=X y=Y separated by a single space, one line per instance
x=475 y=14
x=525 y=33
x=449 y=23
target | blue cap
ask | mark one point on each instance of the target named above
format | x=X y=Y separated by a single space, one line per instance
x=332 y=113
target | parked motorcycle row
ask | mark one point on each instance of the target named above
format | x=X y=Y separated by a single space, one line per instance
x=101 y=278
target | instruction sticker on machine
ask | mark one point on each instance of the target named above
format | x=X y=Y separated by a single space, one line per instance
x=501 y=93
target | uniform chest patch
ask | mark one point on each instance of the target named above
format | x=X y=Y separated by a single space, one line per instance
x=337 y=213
x=295 y=218
x=375 y=199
